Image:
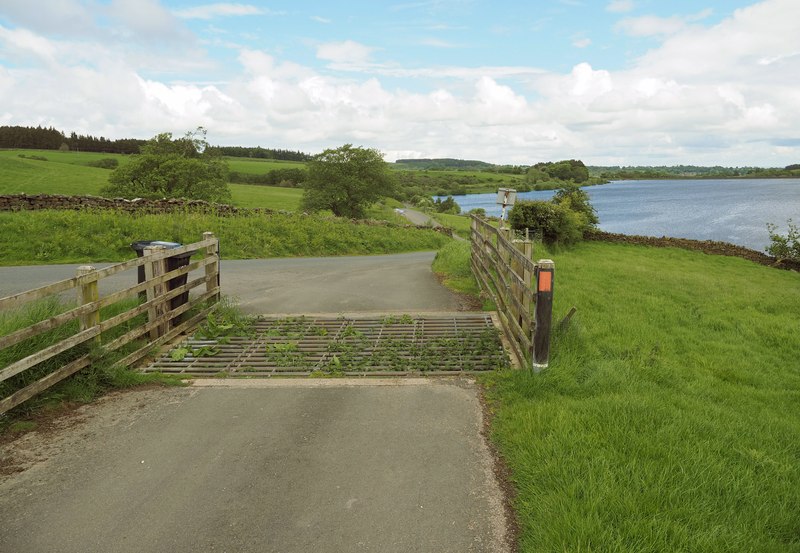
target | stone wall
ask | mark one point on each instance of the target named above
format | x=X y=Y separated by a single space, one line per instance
x=24 y=202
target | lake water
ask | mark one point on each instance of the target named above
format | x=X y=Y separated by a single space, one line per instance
x=734 y=211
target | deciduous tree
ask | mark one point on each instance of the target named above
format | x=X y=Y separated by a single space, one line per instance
x=346 y=180
x=173 y=168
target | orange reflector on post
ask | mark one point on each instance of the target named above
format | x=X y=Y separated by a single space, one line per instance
x=545 y=281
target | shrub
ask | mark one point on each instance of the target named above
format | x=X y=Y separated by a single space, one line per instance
x=578 y=201
x=555 y=223
x=105 y=163
x=784 y=248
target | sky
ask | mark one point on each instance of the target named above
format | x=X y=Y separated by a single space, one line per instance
x=610 y=82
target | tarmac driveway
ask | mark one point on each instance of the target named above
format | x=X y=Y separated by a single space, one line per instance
x=259 y=466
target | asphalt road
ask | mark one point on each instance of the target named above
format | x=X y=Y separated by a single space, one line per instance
x=281 y=465
x=400 y=282
x=262 y=466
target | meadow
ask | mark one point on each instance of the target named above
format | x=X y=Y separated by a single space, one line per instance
x=39 y=237
x=669 y=417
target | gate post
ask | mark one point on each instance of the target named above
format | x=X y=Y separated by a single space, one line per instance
x=154 y=269
x=544 y=314
x=88 y=293
x=212 y=269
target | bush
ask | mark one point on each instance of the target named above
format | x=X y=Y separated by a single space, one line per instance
x=578 y=201
x=166 y=168
x=784 y=248
x=555 y=223
x=105 y=163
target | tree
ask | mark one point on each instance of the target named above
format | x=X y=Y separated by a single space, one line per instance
x=181 y=168
x=784 y=247
x=346 y=180
x=577 y=200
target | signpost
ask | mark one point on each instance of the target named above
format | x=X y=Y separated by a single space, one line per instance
x=505 y=197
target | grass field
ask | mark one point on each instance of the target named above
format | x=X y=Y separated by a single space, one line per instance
x=67 y=173
x=273 y=197
x=62 y=173
x=669 y=417
x=252 y=166
x=38 y=237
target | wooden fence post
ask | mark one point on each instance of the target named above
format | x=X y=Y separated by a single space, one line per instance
x=545 y=270
x=88 y=293
x=154 y=269
x=212 y=270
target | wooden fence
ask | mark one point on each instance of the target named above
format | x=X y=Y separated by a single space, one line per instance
x=505 y=270
x=164 y=304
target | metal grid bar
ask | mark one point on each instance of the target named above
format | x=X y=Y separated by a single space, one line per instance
x=376 y=346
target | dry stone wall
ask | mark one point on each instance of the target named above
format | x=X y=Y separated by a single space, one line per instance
x=24 y=202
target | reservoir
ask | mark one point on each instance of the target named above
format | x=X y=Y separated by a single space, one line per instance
x=735 y=211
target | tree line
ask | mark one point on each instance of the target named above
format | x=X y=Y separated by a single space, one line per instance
x=692 y=172
x=50 y=138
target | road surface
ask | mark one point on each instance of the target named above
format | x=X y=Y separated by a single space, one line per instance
x=380 y=283
x=321 y=465
x=280 y=465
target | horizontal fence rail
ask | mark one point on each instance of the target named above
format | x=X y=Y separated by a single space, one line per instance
x=166 y=296
x=506 y=272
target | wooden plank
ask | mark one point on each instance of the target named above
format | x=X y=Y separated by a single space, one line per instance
x=87 y=294
x=48 y=352
x=53 y=322
x=88 y=334
x=212 y=252
x=71 y=368
x=43 y=383
x=15 y=300
x=155 y=290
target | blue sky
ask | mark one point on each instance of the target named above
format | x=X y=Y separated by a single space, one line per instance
x=606 y=81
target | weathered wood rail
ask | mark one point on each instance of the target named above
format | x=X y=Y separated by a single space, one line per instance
x=163 y=314
x=505 y=270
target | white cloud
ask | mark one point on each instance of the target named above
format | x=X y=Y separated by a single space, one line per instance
x=724 y=93
x=347 y=52
x=582 y=42
x=23 y=43
x=210 y=11
x=620 y=6
x=323 y=20
x=651 y=25
x=65 y=17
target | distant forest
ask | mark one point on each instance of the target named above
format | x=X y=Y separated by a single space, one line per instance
x=692 y=172
x=48 y=138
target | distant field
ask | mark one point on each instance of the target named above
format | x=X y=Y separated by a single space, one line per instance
x=253 y=166
x=62 y=173
x=273 y=197
x=67 y=173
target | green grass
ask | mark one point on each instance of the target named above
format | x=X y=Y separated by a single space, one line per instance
x=94 y=236
x=459 y=223
x=669 y=417
x=103 y=374
x=62 y=173
x=67 y=173
x=272 y=197
x=252 y=166
x=450 y=263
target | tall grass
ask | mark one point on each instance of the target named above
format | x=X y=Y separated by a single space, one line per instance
x=79 y=237
x=101 y=375
x=669 y=417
